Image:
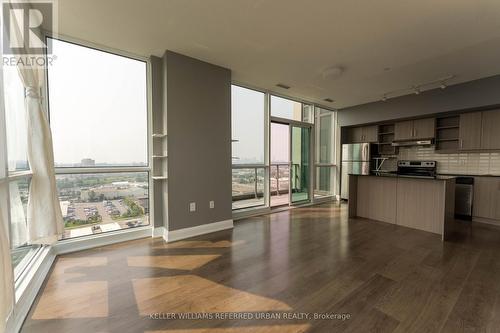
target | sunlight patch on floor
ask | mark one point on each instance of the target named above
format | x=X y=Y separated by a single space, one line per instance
x=191 y=293
x=186 y=262
x=201 y=244
x=63 y=300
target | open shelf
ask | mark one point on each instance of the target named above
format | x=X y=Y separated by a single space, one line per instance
x=385 y=139
x=447 y=134
x=446 y=127
x=450 y=139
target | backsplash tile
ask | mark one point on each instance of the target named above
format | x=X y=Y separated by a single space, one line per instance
x=462 y=163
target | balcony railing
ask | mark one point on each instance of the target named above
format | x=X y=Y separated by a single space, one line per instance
x=248 y=183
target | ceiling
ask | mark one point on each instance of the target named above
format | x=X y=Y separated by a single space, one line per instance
x=383 y=45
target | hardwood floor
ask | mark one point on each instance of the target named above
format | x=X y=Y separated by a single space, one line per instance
x=310 y=260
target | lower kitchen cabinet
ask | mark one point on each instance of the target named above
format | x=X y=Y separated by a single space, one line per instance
x=486 y=202
x=377 y=198
x=421 y=204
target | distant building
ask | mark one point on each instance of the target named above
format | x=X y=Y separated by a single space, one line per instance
x=87 y=162
x=113 y=192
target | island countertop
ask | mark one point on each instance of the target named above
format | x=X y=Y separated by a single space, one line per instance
x=422 y=203
x=395 y=175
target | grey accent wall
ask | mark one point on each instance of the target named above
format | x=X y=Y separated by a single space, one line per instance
x=470 y=95
x=198 y=104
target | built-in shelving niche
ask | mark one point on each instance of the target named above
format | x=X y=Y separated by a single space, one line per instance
x=447 y=134
x=160 y=156
x=385 y=139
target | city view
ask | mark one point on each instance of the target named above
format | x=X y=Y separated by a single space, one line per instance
x=95 y=203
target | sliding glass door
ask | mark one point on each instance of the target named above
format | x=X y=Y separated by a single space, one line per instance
x=300 y=163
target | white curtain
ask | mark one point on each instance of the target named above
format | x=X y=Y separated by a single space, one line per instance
x=45 y=221
x=18 y=233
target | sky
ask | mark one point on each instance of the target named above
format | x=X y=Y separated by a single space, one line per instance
x=97 y=106
x=248 y=126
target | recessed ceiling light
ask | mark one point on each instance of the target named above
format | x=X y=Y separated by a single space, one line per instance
x=282 y=85
x=329 y=100
x=333 y=72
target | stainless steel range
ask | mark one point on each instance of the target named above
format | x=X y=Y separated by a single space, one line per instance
x=423 y=169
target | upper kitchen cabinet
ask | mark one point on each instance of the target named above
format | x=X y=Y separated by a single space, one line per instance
x=403 y=130
x=362 y=134
x=470 y=130
x=424 y=128
x=415 y=129
x=490 y=136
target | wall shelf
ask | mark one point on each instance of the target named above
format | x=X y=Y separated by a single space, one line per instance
x=450 y=139
x=447 y=127
x=160 y=156
x=160 y=177
x=159 y=135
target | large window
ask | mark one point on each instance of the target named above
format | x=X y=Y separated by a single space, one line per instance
x=247 y=118
x=324 y=184
x=248 y=147
x=290 y=109
x=98 y=107
x=98 y=117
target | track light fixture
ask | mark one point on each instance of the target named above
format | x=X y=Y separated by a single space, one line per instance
x=442 y=83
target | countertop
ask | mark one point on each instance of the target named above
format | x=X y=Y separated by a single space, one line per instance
x=394 y=175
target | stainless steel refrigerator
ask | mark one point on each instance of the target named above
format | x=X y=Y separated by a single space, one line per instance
x=355 y=160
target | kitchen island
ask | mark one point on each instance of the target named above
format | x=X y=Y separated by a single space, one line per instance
x=421 y=203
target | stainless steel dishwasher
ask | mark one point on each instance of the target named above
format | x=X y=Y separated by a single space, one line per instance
x=464 y=195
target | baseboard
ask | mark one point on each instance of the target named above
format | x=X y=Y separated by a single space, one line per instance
x=489 y=222
x=28 y=287
x=159 y=232
x=175 y=235
x=84 y=243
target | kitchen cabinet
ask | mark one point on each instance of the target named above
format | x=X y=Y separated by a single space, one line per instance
x=403 y=130
x=421 y=204
x=486 y=201
x=470 y=131
x=363 y=134
x=424 y=128
x=490 y=136
x=376 y=197
x=415 y=129
x=370 y=133
x=355 y=134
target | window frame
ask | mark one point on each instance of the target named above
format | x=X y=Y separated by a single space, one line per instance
x=333 y=164
x=263 y=209
x=149 y=134
x=256 y=166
